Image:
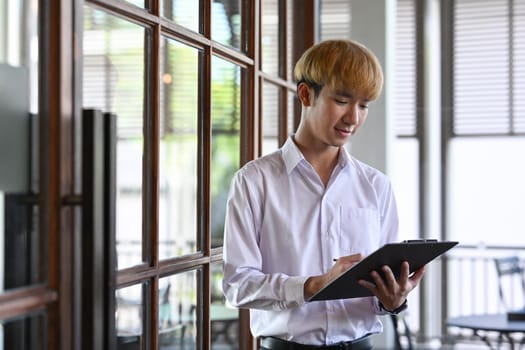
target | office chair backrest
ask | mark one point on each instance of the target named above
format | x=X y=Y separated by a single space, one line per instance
x=511 y=282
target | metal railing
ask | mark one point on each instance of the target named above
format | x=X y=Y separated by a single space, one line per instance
x=472 y=281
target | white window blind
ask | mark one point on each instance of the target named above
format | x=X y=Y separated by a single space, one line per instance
x=489 y=73
x=270 y=65
x=519 y=66
x=113 y=69
x=405 y=69
x=335 y=19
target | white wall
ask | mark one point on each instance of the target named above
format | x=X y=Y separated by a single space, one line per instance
x=373 y=24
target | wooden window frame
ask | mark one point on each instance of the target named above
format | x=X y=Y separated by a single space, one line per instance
x=60 y=201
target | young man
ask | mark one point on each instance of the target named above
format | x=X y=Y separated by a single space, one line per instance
x=290 y=213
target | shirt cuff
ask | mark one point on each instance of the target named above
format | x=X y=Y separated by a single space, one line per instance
x=396 y=311
x=294 y=289
x=377 y=308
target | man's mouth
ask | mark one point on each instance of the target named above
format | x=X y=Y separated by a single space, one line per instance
x=346 y=131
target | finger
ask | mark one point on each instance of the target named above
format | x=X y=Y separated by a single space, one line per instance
x=416 y=277
x=349 y=260
x=368 y=285
x=378 y=281
x=352 y=258
x=389 y=277
x=405 y=271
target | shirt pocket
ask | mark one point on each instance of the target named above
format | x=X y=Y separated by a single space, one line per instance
x=359 y=230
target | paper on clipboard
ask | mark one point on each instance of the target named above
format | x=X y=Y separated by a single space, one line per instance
x=417 y=252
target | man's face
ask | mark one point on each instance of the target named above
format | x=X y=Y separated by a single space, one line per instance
x=336 y=114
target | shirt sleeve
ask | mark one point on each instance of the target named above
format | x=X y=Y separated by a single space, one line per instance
x=245 y=284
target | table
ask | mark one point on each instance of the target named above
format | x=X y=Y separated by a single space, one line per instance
x=489 y=323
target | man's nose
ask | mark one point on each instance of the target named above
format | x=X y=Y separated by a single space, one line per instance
x=352 y=115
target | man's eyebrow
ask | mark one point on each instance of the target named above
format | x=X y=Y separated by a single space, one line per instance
x=347 y=94
x=343 y=93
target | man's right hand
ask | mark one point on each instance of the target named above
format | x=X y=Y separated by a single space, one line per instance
x=315 y=283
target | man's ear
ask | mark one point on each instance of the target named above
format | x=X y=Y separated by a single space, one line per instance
x=304 y=92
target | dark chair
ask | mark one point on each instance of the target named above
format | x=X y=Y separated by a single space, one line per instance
x=511 y=286
x=511 y=282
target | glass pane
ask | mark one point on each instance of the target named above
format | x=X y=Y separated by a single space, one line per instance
x=225 y=149
x=290 y=27
x=270 y=37
x=491 y=167
x=292 y=100
x=177 y=311
x=224 y=318
x=27 y=333
x=482 y=101
x=270 y=114
x=226 y=22
x=178 y=149
x=404 y=175
x=405 y=181
x=114 y=82
x=20 y=254
x=183 y=12
x=128 y=316
x=139 y=3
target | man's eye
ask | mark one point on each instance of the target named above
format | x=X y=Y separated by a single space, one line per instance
x=364 y=107
x=341 y=102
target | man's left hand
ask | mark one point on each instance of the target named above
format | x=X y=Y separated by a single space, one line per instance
x=392 y=293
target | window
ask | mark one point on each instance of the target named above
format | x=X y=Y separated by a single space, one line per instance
x=26 y=277
x=488 y=86
x=165 y=246
x=405 y=168
x=405 y=174
x=487 y=103
x=182 y=86
x=278 y=35
x=185 y=82
x=484 y=113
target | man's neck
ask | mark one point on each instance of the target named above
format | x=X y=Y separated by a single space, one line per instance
x=322 y=157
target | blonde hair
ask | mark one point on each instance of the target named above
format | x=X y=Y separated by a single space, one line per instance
x=341 y=64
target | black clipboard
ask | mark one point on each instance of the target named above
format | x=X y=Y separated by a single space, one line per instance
x=416 y=252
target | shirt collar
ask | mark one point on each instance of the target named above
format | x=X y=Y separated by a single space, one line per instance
x=292 y=155
x=344 y=157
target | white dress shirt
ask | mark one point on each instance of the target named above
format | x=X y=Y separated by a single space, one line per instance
x=283 y=225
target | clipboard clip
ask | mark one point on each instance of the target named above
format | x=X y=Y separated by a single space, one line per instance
x=419 y=240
